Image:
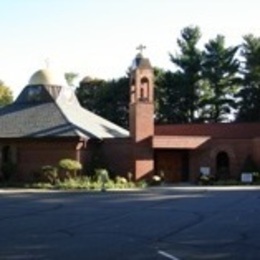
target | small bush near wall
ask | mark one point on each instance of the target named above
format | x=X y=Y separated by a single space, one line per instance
x=63 y=176
x=156 y=180
x=69 y=168
x=49 y=174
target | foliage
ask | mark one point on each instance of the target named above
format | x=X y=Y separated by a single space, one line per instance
x=207 y=84
x=201 y=89
x=6 y=95
x=70 y=165
x=206 y=179
x=74 y=183
x=203 y=86
x=70 y=168
x=102 y=175
x=188 y=75
x=86 y=183
x=122 y=183
x=249 y=95
x=156 y=180
x=169 y=103
x=141 y=184
x=108 y=99
x=50 y=173
x=219 y=73
x=70 y=78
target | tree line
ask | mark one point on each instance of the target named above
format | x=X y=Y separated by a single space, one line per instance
x=213 y=83
x=216 y=83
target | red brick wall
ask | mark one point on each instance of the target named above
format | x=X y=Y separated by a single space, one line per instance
x=31 y=155
x=141 y=121
x=117 y=155
x=142 y=130
x=205 y=156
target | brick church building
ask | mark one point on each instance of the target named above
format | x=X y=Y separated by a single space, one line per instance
x=46 y=123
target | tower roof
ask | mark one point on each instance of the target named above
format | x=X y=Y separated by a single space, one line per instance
x=140 y=62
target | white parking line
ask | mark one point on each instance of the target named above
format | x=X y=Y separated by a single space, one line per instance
x=160 y=252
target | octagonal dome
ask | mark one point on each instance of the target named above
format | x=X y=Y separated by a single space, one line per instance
x=47 y=77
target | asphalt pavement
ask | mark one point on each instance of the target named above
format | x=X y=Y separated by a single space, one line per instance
x=156 y=223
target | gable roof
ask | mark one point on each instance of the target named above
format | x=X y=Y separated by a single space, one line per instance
x=46 y=110
x=213 y=130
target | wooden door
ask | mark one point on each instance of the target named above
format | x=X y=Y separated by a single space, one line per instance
x=170 y=163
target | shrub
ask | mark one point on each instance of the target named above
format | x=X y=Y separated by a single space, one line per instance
x=206 y=179
x=121 y=180
x=101 y=175
x=49 y=174
x=156 y=180
x=74 y=183
x=70 y=167
x=141 y=184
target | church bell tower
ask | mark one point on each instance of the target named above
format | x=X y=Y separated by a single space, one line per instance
x=142 y=115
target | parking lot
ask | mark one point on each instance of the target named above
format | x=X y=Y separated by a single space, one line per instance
x=156 y=223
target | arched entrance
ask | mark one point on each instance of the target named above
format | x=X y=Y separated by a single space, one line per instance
x=222 y=165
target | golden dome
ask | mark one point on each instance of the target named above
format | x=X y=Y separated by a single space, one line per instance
x=47 y=77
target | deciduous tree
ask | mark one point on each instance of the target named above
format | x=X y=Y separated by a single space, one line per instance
x=6 y=95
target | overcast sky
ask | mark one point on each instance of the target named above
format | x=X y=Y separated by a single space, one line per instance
x=98 y=37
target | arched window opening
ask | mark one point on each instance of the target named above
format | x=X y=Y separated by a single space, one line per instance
x=144 y=89
x=222 y=165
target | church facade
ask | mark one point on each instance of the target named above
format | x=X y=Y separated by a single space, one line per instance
x=46 y=124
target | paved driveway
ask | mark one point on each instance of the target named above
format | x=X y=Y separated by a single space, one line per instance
x=160 y=223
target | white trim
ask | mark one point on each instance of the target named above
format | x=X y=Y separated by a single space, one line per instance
x=167 y=255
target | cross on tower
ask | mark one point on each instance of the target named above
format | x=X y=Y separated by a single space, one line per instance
x=141 y=48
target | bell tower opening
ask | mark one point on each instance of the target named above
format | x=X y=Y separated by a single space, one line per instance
x=144 y=89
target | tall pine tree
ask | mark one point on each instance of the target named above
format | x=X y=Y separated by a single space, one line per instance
x=249 y=95
x=188 y=75
x=220 y=75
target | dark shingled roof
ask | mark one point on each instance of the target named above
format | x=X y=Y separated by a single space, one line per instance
x=35 y=120
x=53 y=111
